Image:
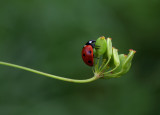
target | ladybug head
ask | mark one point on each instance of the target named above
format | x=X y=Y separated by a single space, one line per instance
x=91 y=42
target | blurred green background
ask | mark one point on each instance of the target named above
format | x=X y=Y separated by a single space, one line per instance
x=48 y=35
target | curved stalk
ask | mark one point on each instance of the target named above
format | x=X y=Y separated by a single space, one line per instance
x=105 y=65
x=50 y=75
x=111 y=70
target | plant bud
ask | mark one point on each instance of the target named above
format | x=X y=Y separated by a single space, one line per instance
x=126 y=66
x=109 y=48
x=122 y=59
x=100 y=46
x=114 y=59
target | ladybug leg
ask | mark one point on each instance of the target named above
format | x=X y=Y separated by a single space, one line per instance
x=96 y=47
x=95 y=57
x=93 y=45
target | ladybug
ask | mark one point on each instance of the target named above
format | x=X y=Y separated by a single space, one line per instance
x=87 y=52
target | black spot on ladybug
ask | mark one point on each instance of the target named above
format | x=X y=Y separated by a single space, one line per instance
x=89 y=61
x=83 y=54
x=89 y=52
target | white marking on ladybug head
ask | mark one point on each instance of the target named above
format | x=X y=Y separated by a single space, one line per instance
x=90 y=42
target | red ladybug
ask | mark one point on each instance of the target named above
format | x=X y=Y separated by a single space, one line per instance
x=87 y=53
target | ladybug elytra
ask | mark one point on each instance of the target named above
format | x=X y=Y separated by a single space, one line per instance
x=87 y=52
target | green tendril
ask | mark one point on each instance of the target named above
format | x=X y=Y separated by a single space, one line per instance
x=49 y=75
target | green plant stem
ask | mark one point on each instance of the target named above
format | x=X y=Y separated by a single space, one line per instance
x=50 y=75
x=105 y=65
x=111 y=70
